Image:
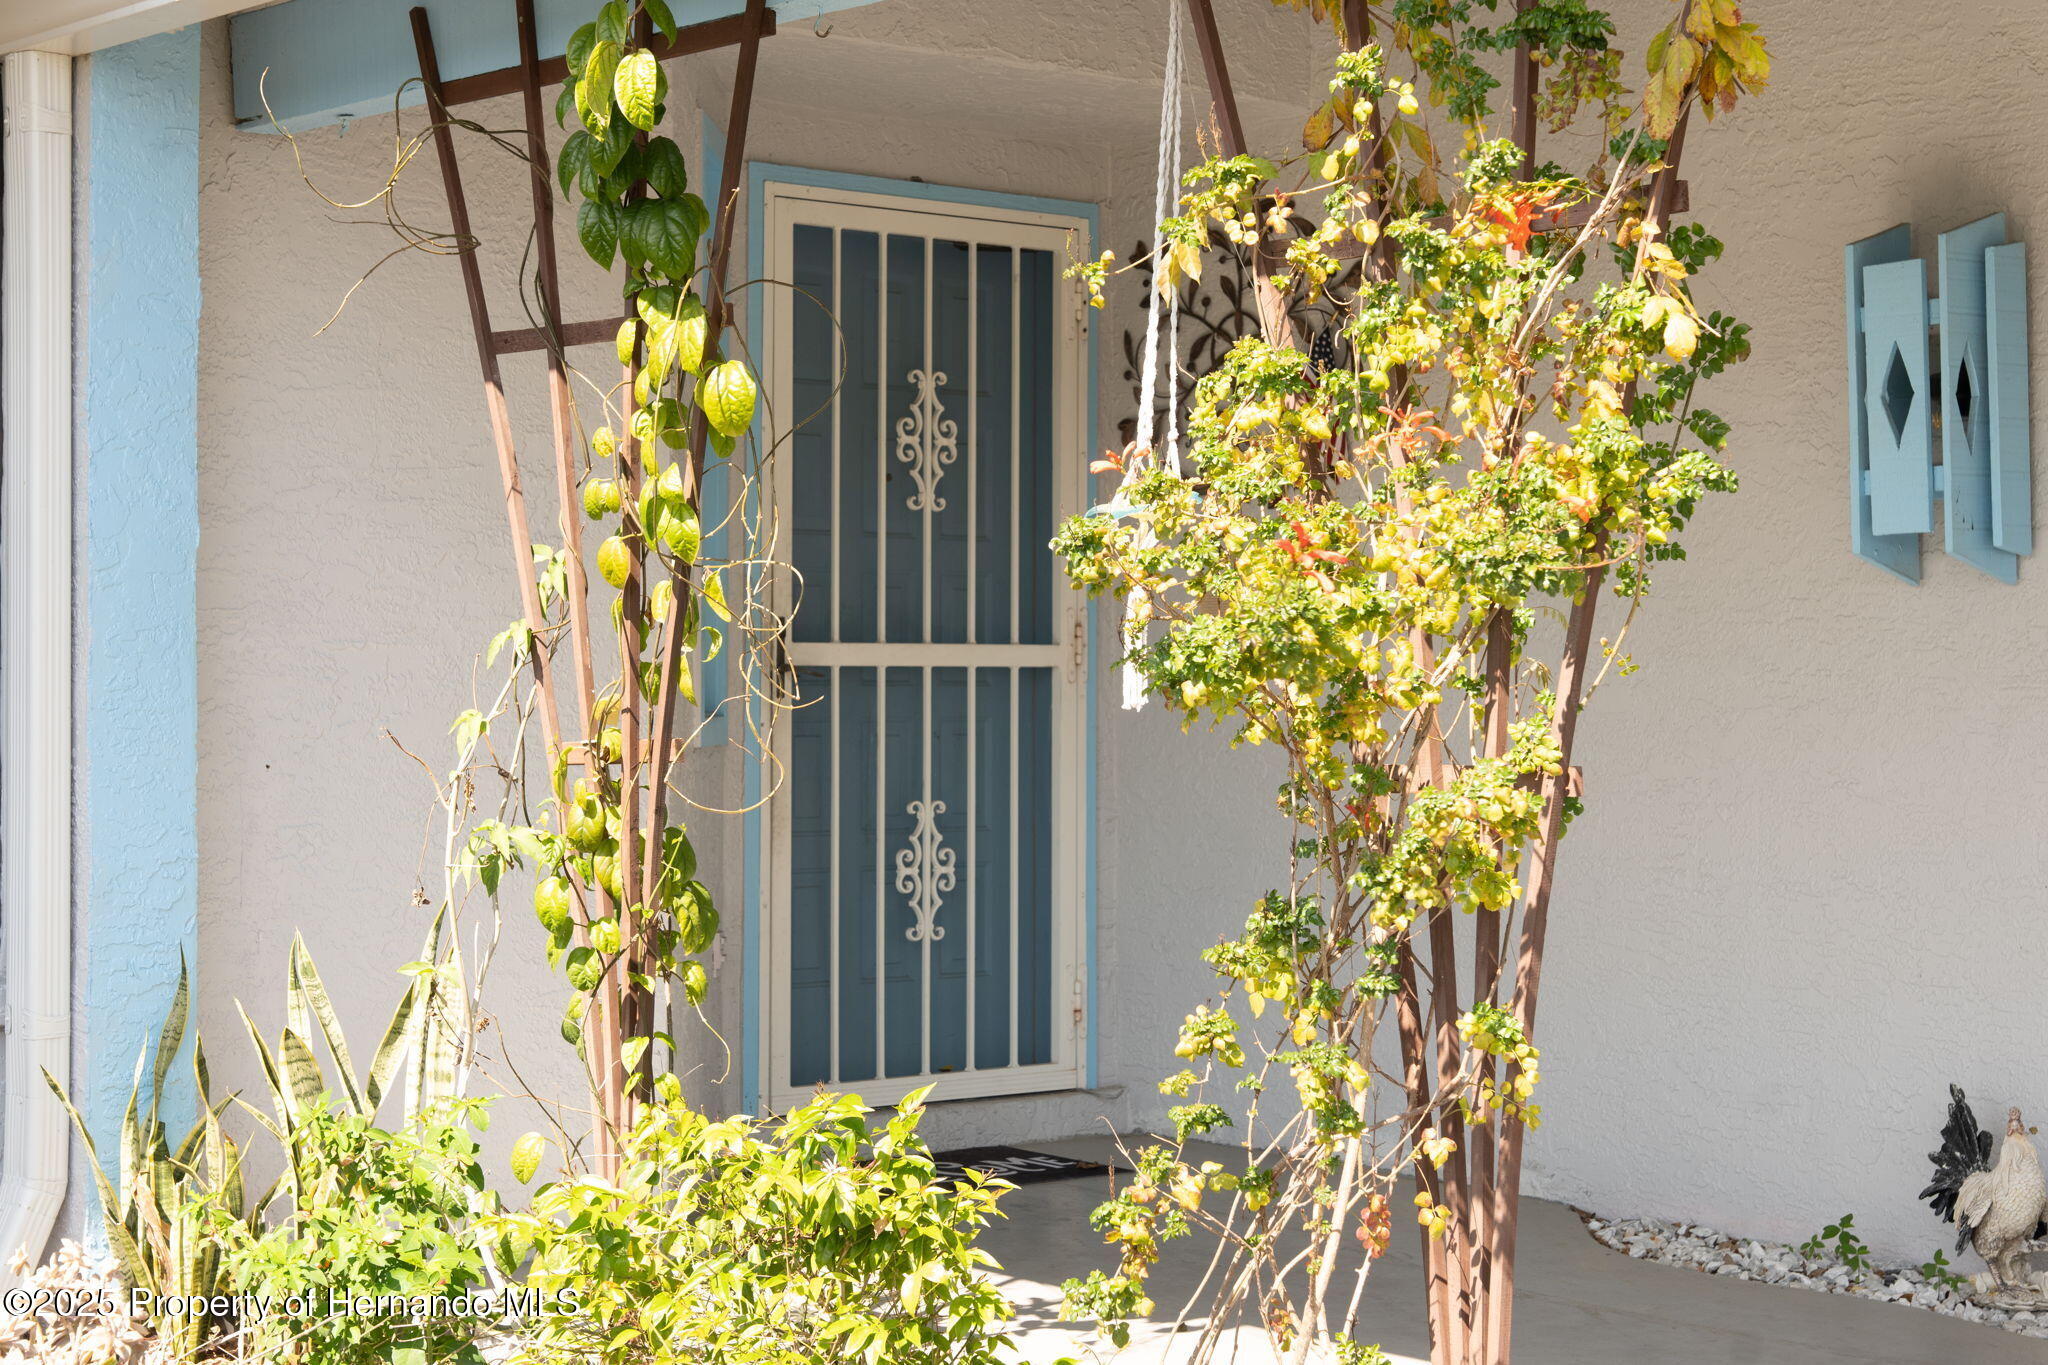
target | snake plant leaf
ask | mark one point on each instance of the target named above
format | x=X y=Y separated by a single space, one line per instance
x=270 y=1073
x=390 y=1053
x=213 y=1151
x=313 y=997
x=171 y=1038
x=200 y=1076
x=441 y=1056
x=303 y=1080
x=253 y=1218
x=119 y=1238
x=431 y=1076
x=166 y=1197
x=230 y=1180
x=134 y=1146
x=191 y=1147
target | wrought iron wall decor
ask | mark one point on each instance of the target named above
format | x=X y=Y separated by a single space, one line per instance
x=1972 y=387
x=1214 y=312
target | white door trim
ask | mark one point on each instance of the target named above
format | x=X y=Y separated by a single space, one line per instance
x=863 y=210
x=35 y=447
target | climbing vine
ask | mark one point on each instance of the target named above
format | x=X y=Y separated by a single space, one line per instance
x=618 y=892
x=1382 y=559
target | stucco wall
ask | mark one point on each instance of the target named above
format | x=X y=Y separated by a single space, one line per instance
x=1805 y=893
x=1808 y=890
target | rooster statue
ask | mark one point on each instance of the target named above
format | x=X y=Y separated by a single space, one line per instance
x=1998 y=1209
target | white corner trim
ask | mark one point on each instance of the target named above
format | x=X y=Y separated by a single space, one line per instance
x=35 y=640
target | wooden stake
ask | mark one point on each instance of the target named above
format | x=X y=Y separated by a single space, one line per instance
x=716 y=317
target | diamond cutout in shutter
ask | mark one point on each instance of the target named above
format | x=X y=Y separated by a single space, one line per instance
x=1898 y=394
x=1966 y=392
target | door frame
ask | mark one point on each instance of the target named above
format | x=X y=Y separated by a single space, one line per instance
x=1070 y=228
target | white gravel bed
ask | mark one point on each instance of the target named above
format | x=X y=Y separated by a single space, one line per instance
x=1702 y=1248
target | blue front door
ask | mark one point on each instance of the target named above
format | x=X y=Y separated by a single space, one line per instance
x=929 y=872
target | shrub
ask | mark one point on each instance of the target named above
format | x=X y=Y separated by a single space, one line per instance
x=379 y=1215
x=810 y=1238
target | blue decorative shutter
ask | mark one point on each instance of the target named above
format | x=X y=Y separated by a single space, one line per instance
x=1898 y=554
x=1966 y=398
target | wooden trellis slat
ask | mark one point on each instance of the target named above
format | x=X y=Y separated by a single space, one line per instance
x=487 y=358
x=709 y=36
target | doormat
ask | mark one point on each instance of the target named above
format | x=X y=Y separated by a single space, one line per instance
x=1014 y=1164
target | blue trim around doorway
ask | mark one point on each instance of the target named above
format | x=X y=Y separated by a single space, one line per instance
x=760 y=175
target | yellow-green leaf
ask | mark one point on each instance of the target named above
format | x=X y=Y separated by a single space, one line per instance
x=690 y=325
x=728 y=398
x=1681 y=335
x=636 y=84
x=594 y=91
x=526 y=1155
x=713 y=592
x=613 y=562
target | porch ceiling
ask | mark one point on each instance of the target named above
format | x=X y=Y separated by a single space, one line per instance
x=1062 y=72
x=1057 y=71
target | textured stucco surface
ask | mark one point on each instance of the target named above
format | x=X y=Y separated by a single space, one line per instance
x=1806 y=891
x=139 y=313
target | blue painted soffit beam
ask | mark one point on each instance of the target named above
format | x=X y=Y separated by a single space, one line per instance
x=330 y=60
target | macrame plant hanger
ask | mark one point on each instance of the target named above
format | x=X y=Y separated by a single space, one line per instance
x=1165 y=299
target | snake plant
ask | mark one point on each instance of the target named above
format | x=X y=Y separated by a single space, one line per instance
x=161 y=1215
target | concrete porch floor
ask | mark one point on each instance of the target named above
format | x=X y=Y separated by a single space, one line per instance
x=1579 y=1303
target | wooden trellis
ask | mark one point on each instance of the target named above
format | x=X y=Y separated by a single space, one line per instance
x=626 y=1008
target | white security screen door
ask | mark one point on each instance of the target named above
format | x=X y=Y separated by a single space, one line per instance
x=925 y=880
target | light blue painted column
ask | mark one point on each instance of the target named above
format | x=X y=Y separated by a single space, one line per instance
x=138 y=732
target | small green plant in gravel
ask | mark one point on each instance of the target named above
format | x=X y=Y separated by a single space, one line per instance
x=1838 y=1241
